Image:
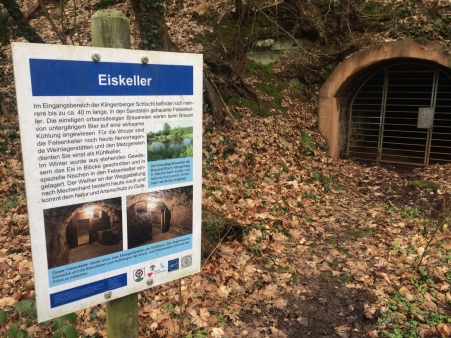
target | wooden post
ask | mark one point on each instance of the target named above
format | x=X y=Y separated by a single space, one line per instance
x=122 y=317
x=112 y=29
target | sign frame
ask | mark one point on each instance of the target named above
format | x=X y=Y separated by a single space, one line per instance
x=111 y=149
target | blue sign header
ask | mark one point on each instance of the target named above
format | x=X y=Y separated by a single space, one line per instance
x=87 y=78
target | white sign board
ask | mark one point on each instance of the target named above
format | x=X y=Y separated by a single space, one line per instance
x=112 y=155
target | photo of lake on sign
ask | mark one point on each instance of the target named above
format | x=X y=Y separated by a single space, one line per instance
x=170 y=142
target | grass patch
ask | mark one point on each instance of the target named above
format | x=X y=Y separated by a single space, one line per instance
x=359 y=233
x=254 y=106
x=423 y=185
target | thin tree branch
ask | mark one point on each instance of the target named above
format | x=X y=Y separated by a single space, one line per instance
x=46 y=12
x=288 y=33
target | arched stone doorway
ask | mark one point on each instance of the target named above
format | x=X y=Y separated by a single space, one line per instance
x=417 y=71
x=82 y=231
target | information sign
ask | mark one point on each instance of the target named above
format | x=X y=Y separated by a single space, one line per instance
x=112 y=153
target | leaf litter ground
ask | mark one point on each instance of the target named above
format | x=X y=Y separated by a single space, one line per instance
x=320 y=247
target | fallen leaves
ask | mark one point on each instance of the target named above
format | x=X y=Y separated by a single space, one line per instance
x=7 y=301
x=342 y=331
x=200 y=318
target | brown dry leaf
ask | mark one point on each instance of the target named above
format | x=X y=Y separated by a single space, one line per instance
x=217 y=332
x=224 y=291
x=232 y=312
x=7 y=301
x=280 y=303
x=444 y=329
x=101 y=314
x=90 y=331
x=342 y=331
x=200 y=320
x=430 y=305
x=277 y=333
x=369 y=311
x=227 y=250
x=161 y=333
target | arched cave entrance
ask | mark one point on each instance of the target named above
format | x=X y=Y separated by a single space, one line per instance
x=83 y=231
x=391 y=104
x=401 y=114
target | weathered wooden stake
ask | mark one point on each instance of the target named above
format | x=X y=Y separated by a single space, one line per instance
x=122 y=317
x=112 y=29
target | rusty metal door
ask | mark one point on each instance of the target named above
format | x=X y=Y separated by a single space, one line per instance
x=402 y=115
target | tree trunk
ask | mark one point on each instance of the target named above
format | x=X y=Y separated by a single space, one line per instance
x=152 y=28
x=154 y=36
x=213 y=99
x=24 y=27
x=32 y=9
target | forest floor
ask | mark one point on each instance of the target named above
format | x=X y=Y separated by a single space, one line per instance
x=311 y=246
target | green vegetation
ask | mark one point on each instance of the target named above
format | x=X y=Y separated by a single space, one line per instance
x=327 y=182
x=252 y=105
x=274 y=91
x=170 y=143
x=410 y=307
x=11 y=202
x=24 y=313
x=257 y=68
x=229 y=146
x=359 y=233
x=308 y=143
x=7 y=134
x=402 y=317
x=421 y=20
x=151 y=26
x=423 y=185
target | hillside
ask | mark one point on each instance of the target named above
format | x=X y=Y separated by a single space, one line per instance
x=302 y=245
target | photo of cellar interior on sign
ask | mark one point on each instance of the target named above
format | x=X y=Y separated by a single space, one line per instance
x=83 y=231
x=157 y=216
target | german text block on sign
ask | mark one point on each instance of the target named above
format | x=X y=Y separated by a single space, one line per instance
x=113 y=168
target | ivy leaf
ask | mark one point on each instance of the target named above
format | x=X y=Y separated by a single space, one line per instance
x=70 y=331
x=3 y=317
x=55 y=327
x=71 y=318
x=57 y=334
x=27 y=307
x=15 y=332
